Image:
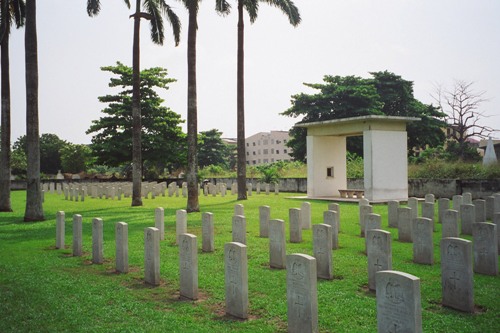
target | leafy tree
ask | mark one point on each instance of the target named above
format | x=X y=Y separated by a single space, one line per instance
x=212 y=150
x=351 y=96
x=163 y=141
x=76 y=158
x=11 y=11
x=19 y=163
x=50 y=156
x=34 y=207
x=153 y=12
x=251 y=7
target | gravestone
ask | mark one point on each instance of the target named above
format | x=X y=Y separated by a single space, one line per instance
x=152 y=256
x=188 y=266
x=430 y=198
x=77 y=235
x=428 y=212
x=331 y=218
x=450 y=224
x=467 y=217
x=485 y=248
x=267 y=187
x=294 y=215
x=180 y=223
x=398 y=302
x=60 y=230
x=379 y=252
x=496 y=221
x=467 y=198
x=249 y=189
x=336 y=208
x=413 y=204
x=480 y=208
x=392 y=211
x=457 y=277
x=264 y=216
x=490 y=206
x=305 y=215
x=404 y=224
x=457 y=202
x=496 y=203
x=236 y=279
x=207 y=226
x=423 y=249
x=239 y=210
x=301 y=293
x=257 y=188
x=121 y=239
x=276 y=189
x=363 y=211
x=322 y=249
x=372 y=221
x=239 y=229
x=160 y=221
x=277 y=244
x=234 y=189
x=363 y=202
x=97 y=241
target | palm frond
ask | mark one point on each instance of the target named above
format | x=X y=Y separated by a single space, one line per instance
x=173 y=19
x=222 y=7
x=18 y=11
x=288 y=8
x=252 y=8
x=93 y=7
x=156 y=22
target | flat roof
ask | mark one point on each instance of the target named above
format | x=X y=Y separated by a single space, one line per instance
x=361 y=120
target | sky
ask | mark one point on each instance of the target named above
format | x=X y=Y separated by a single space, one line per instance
x=427 y=42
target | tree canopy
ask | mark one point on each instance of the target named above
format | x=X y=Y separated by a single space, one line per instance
x=50 y=152
x=385 y=93
x=163 y=142
x=212 y=150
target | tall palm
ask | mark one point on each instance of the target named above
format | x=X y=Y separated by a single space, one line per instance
x=192 y=108
x=251 y=6
x=34 y=207
x=11 y=11
x=153 y=12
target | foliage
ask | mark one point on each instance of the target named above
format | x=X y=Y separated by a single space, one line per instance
x=212 y=150
x=18 y=163
x=76 y=158
x=50 y=147
x=352 y=96
x=440 y=169
x=355 y=166
x=269 y=173
x=163 y=143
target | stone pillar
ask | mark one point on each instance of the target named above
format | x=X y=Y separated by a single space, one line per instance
x=264 y=216
x=277 y=244
x=207 y=230
x=121 y=239
x=60 y=230
x=379 y=253
x=295 y=225
x=188 y=266
x=236 y=279
x=152 y=256
x=160 y=221
x=77 y=235
x=180 y=223
x=239 y=230
x=322 y=248
x=97 y=241
x=305 y=210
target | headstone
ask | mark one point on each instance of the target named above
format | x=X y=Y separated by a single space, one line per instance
x=152 y=256
x=264 y=216
x=60 y=230
x=398 y=302
x=485 y=248
x=277 y=244
x=180 y=223
x=239 y=210
x=330 y=218
x=239 y=229
x=467 y=217
x=305 y=215
x=207 y=226
x=77 y=235
x=428 y=212
x=188 y=266
x=276 y=189
x=404 y=224
x=121 y=238
x=363 y=211
x=467 y=198
x=363 y=202
x=294 y=215
x=379 y=252
x=430 y=198
x=249 y=189
x=301 y=294
x=372 y=221
x=496 y=221
x=160 y=221
x=234 y=189
x=392 y=211
x=413 y=204
x=490 y=207
x=97 y=241
x=457 y=202
x=322 y=249
x=480 y=208
x=336 y=208
x=423 y=249
x=257 y=188
x=236 y=279
x=450 y=224
x=496 y=203
x=267 y=187
x=457 y=277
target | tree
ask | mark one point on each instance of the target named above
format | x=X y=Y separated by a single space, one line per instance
x=11 y=11
x=163 y=141
x=50 y=147
x=34 y=207
x=154 y=10
x=462 y=106
x=75 y=158
x=251 y=7
x=212 y=150
x=350 y=96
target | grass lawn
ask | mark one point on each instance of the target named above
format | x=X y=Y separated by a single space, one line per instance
x=47 y=290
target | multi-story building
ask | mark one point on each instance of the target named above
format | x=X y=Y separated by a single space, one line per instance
x=267 y=147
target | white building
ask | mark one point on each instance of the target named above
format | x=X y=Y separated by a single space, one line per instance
x=267 y=147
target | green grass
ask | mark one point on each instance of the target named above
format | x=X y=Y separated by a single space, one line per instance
x=47 y=290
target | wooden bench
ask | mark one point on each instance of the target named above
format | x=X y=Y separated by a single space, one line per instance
x=351 y=193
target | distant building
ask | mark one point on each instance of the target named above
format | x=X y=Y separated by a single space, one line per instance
x=267 y=147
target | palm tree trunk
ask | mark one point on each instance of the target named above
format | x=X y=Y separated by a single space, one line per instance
x=136 y=113
x=241 y=162
x=34 y=209
x=5 y=205
x=192 y=115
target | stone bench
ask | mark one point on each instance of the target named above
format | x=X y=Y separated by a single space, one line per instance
x=351 y=193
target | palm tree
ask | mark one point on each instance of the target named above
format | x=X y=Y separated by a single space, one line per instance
x=192 y=108
x=10 y=11
x=34 y=208
x=251 y=7
x=154 y=10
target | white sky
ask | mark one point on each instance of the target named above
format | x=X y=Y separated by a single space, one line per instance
x=424 y=41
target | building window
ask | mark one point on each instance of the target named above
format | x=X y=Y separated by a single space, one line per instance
x=277 y=152
x=259 y=142
x=258 y=152
x=272 y=151
x=272 y=141
x=259 y=160
x=248 y=145
x=253 y=153
x=266 y=142
x=254 y=162
x=253 y=143
x=266 y=160
x=285 y=151
x=248 y=153
x=284 y=141
x=266 y=151
x=329 y=172
x=272 y=160
x=248 y=162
